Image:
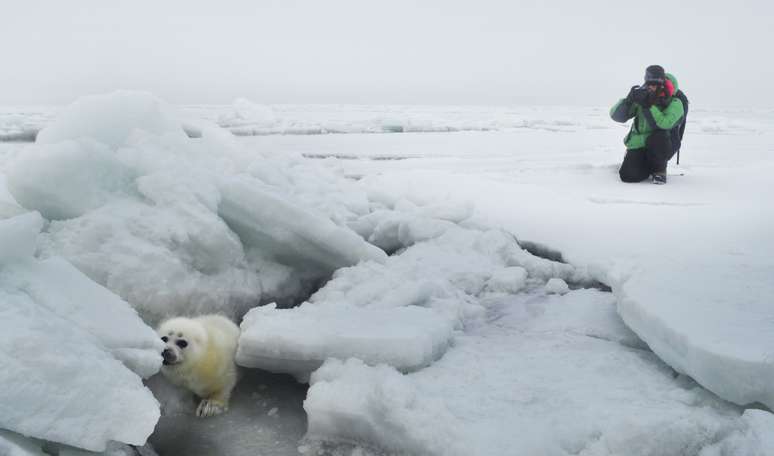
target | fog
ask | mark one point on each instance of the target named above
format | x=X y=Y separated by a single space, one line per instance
x=397 y=52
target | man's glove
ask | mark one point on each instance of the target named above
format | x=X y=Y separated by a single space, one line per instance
x=640 y=95
x=630 y=96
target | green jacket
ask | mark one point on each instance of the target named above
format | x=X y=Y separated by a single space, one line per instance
x=648 y=120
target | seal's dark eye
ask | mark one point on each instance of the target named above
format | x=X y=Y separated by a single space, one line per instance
x=164 y=338
x=181 y=343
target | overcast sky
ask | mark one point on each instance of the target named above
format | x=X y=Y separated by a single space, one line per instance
x=392 y=52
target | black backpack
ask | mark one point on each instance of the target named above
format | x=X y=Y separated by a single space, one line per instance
x=677 y=132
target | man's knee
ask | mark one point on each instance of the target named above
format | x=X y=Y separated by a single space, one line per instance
x=634 y=167
x=630 y=175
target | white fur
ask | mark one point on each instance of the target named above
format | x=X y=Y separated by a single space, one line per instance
x=205 y=365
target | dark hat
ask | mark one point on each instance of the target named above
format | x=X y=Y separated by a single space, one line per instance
x=655 y=73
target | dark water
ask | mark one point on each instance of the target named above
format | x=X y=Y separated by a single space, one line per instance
x=266 y=418
x=19 y=136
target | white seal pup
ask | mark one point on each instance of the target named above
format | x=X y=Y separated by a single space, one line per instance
x=199 y=356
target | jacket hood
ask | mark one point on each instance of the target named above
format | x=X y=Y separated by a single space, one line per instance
x=672 y=78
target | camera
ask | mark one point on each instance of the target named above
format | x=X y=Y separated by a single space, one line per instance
x=640 y=90
x=639 y=94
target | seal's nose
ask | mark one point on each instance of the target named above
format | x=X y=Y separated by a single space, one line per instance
x=168 y=356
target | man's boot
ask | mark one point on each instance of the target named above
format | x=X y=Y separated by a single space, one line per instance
x=659 y=178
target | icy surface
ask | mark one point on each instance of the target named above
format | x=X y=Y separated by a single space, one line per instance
x=244 y=117
x=689 y=265
x=730 y=350
x=18 y=237
x=298 y=340
x=134 y=206
x=557 y=286
x=287 y=232
x=176 y=225
x=23 y=123
x=548 y=375
x=508 y=280
x=72 y=352
x=753 y=438
x=247 y=113
x=402 y=313
x=16 y=445
x=694 y=286
x=66 y=180
x=112 y=118
x=64 y=291
x=163 y=260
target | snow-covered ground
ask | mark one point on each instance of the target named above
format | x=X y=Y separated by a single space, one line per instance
x=488 y=330
x=245 y=118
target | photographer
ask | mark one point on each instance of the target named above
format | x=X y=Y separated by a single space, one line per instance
x=656 y=111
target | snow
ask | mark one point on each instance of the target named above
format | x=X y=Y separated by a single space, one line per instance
x=403 y=312
x=552 y=376
x=72 y=352
x=23 y=123
x=754 y=438
x=480 y=333
x=18 y=237
x=67 y=179
x=164 y=261
x=16 y=445
x=694 y=248
x=246 y=112
x=297 y=341
x=111 y=119
x=508 y=280
x=287 y=232
x=183 y=226
x=351 y=401
x=684 y=271
x=557 y=286
x=244 y=117
x=392 y=230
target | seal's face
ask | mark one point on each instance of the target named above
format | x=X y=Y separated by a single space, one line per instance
x=182 y=339
x=175 y=345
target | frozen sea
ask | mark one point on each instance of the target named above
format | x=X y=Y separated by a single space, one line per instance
x=531 y=303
